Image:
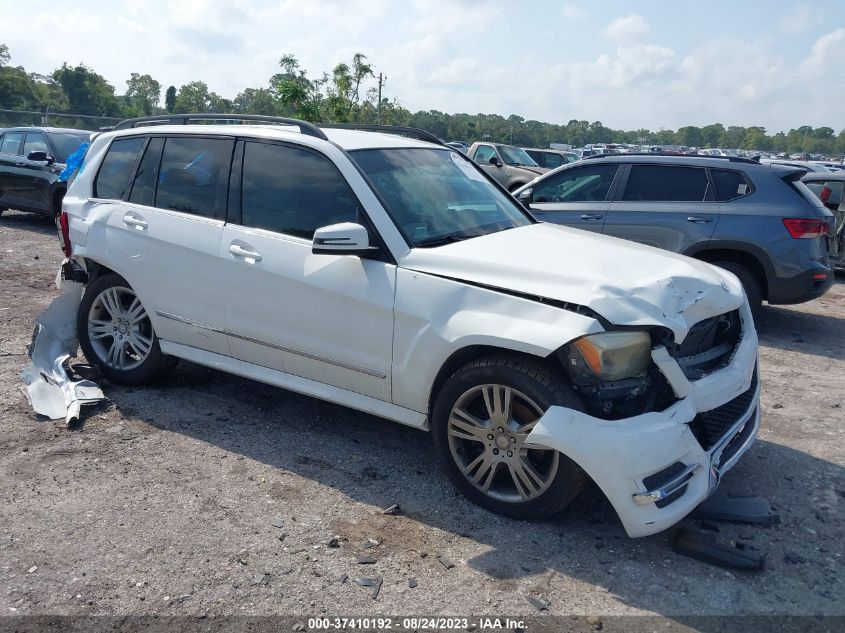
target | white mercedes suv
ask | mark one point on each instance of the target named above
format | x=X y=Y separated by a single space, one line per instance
x=391 y=275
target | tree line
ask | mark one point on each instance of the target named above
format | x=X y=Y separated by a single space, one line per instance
x=349 y=93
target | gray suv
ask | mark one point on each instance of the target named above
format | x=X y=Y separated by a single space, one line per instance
x=758 y=221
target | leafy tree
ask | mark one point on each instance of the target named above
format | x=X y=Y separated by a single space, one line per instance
x=193 y=97
x=755 y=138
x=170 y=99
x=143 y=94
x=256 y=101
x=690 y=136
x=5 y=56
x=86 y=91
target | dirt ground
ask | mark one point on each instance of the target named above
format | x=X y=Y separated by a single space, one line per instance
x=164 y=501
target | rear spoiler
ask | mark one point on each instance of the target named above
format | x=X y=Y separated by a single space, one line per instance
x=789 y=173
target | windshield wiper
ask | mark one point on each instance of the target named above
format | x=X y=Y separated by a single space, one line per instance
x=449 y=238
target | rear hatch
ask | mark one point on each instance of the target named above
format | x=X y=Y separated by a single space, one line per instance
x=812 y=210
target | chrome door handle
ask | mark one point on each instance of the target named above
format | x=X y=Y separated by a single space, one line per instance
x=699 y=219
x=137 y=222
x=239 y=251
x=591 y=216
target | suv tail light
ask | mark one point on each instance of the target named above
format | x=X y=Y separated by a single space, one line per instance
x=824 y=194
x=64 y=234
x=806 y=228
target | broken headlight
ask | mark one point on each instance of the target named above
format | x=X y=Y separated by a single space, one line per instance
x=612 y=356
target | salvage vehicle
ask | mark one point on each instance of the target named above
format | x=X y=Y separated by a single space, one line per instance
x=829 y=189
x=510 y=166
x=758 y=221
x=393 y=276
x=551 y=158
x=31 y=159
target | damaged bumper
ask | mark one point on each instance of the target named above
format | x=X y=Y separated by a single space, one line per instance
x=49 y=388
x=657 y=467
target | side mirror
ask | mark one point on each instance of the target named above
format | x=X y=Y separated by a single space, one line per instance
x=39 y=156
x=346 y=238
x=494 y=160
x=524 y=196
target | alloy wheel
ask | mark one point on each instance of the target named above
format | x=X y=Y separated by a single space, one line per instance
x=119 y=329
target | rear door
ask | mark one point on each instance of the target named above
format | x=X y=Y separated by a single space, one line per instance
x=37 y=176
x=668 y=206
x=11 y=163
x=165 y=227
x=577 y=196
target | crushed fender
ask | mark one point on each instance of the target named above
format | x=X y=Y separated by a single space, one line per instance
x=49 y=388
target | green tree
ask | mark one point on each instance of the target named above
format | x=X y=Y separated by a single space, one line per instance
x=143 y=94
x=170 y=99
x=690 y=136
x=193 y=97
x=711 y=134
x=756 y=138
x=86 y=91
x=256 y=101
x=5 y=56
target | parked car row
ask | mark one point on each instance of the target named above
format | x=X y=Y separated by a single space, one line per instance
x=398 y=277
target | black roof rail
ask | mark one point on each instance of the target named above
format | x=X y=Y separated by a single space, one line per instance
x=733 y=159
x=189 y=119
x=414 y=132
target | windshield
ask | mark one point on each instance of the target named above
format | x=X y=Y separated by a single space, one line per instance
x=515 y=156
x=66 y=143
x=438 y=196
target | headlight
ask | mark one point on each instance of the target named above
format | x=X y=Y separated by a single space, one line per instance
x=613 y=355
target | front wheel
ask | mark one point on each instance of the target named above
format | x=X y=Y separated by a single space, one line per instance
x=480 y=421
x=116 y=333
x=750 y=283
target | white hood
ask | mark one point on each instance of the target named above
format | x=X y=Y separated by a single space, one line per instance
x=625 y=282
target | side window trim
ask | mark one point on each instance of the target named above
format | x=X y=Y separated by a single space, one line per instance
x=234 y=208
x=134 y=173
x=102 y=162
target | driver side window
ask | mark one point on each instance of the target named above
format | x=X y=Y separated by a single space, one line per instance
x=583 y=184
x=483 y=154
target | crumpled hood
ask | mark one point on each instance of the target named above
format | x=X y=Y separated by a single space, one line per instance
x=625 y=282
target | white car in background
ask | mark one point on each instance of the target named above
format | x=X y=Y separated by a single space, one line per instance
x=393 y=276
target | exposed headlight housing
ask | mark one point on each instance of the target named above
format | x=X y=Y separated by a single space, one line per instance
x=612 y=356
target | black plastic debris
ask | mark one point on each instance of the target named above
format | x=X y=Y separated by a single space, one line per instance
x=366 y=560
x=393 y=509
x=708 y=549
x=377 y=587
x=364 y=582
x=343 y=578
x=412 y=583
x=278 y=522
x=448 y=564
x=723 y=507
x=540 y=603
x=333 y=542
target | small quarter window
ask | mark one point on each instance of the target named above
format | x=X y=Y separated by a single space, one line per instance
x=729 y=184
x=113 y=177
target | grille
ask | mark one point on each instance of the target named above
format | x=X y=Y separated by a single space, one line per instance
x=708 y=346
x=709 y=427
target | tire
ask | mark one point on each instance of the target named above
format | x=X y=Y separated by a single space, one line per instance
x=750 y=282
x=532 y=391
x=515 y=186
x=110 y=308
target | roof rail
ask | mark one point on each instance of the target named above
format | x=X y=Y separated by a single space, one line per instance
x=192 y=119
x=733 y=159
x=413 y=132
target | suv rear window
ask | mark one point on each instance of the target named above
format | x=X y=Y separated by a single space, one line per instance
x=663 y=183
x=194 y=175
x=729 y=184
x=114 y=173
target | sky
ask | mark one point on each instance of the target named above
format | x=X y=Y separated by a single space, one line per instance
x=628 y=63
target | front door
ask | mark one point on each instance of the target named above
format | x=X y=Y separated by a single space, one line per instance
x=37 y=177
x=326 y=318
x=578 y=196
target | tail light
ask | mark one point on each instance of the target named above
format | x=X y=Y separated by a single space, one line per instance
x=64 y=234
x=806 y=228
x=824 y=194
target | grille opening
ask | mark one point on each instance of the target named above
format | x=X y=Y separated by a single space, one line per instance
x=708 y=346
x=711 y=426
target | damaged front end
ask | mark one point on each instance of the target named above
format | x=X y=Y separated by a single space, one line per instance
x=50 y=389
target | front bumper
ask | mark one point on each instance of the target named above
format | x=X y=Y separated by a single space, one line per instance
x=652 y=468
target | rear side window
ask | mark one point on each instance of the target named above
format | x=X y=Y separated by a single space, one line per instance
x=663 y=183
x=144 y=187
x=11 y=142
x=590 y=183
x=113 y=177
x=194 y=175
x=293 y=191
x=729 y=185
x=35 y=142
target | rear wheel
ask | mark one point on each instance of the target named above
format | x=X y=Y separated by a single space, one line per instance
x=750 y=282
x=116 y=333
x=480 y=421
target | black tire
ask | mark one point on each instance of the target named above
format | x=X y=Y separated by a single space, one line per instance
x=750 y=282
x=527 y=378
x=515 y=186
x=155 y=365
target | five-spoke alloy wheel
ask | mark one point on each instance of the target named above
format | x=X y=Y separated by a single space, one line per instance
x=481 y=420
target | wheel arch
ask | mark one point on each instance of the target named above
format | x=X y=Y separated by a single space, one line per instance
x=749 y=256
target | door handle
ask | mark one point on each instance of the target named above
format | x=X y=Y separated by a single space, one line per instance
x=240 y=251
x=131 y=220
x=591 y=216
x=20 y=164
x=699 y=219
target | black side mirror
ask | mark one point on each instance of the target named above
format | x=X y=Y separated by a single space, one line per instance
x=494 y=160
x=39 y=156
x=525 y=196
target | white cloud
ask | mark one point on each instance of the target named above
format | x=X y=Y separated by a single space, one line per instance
x=572 y=12
x=628 y=28
x=827 y=53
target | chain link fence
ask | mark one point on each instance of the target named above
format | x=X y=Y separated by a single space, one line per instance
x=25 y=118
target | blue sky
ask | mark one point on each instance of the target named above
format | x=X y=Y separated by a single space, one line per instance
x=630 y=64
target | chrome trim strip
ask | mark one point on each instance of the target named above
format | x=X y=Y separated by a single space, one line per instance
x=281 y=348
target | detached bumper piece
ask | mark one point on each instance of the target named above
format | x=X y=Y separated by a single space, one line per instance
x=51 y=392
x=706 y=548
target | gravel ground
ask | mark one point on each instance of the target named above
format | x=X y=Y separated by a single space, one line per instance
x=164 y=501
